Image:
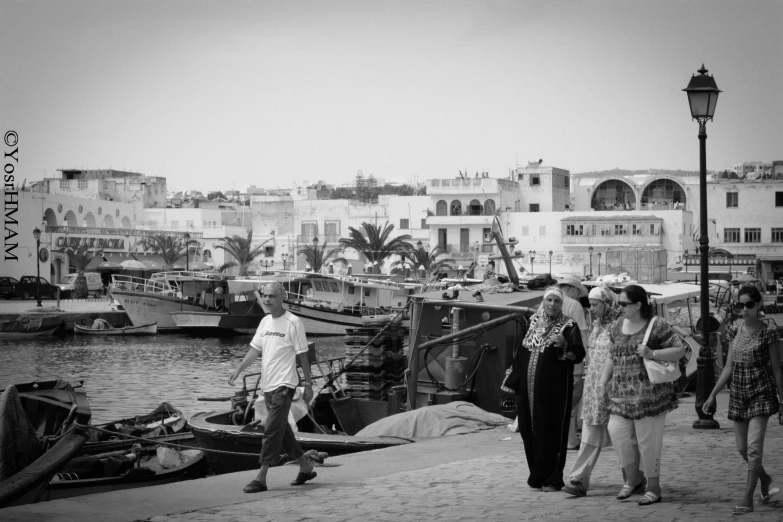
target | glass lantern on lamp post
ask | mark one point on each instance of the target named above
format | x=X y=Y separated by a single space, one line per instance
x=532 y=254
x=703 y=94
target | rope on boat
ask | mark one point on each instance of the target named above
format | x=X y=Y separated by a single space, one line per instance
x=173 y=445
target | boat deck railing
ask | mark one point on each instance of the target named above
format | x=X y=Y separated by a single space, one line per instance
x=139 y=284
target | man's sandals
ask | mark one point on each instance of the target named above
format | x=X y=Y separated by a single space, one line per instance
x=301 y=478
x=255 y=486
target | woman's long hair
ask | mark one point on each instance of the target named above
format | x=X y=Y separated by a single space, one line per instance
x=637 y=294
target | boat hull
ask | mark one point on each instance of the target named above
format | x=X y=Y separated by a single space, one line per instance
x=214 y=430
x=196 y=468
x=23 y=335
x=146 y=329
x=219 y=323
x=146 y=308
x=325 y=321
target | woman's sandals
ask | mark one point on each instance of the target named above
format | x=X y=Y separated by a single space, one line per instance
x=626 y=491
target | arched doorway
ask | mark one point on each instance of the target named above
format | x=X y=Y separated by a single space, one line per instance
x=456 y=208
x=70 y=219
x=613 y=194
x=108 y=221
x=50 y=218
x=89 y=220
x=664 y=194
x=474 y=208
x=489 y=207
x=56 y=271
x=442 y=208
x=126 y=223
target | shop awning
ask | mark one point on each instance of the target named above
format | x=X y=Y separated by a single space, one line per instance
x=770 y=258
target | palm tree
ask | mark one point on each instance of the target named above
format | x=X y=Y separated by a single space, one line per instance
x=317 y=256
x=171 y=249
x=79 y=258
x=242 y=250
x=375 y=243
x=429 y=261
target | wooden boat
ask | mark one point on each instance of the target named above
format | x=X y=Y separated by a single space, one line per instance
x=144 y=329
x=118 y=470
x=29 y=326
x=215 y=430
x=48 y=417
x=217 y=323
x=163 y=420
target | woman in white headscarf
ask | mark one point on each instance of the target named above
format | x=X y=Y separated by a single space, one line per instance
x=551 y=347
x=595 y=405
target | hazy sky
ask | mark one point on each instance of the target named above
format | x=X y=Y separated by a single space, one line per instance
x=220 y=94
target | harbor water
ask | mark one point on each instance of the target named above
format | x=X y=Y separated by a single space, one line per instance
x=125 y=376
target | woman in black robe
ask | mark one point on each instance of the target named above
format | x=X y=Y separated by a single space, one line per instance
x=546 y=361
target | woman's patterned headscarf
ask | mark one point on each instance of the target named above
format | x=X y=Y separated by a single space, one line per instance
x=610 y=300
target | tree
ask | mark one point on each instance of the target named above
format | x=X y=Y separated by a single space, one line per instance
x=419 y=257
x=375 y=244
x=317 y=256
x=242 y=250
x=215 y=194
x=170 y=248
x=79 y=258
x=341 y=193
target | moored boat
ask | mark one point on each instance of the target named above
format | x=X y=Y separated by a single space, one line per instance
x=29 y=326
x=87 y=475
x=153 y=300
x=144 y=329
x=49 y=420
x=217 y=323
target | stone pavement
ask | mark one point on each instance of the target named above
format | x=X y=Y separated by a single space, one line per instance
x=469 y=477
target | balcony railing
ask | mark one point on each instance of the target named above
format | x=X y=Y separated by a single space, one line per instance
x=620 y=239
x=103 y=231
x=471 y=185
x=331 y=239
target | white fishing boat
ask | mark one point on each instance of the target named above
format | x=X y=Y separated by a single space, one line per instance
x=153 y=300
x=330 y=304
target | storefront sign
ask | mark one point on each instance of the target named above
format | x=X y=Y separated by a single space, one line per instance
x=738 y=259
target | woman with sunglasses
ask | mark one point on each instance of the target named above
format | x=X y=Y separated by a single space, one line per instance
x=638 y=407
x=754 y=345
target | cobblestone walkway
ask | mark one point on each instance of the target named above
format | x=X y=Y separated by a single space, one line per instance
x=702 y=478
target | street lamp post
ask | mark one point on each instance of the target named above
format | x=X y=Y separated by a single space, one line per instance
x=37 y=236
x=550 y=262
x=532 y=254
x=315 y=254
x=703 y=97
x=187 y=251
x=283 y=257
x=685 y=261
x=590 y=249
x=599 y=264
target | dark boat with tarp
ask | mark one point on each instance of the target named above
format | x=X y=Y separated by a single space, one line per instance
x=42 y=426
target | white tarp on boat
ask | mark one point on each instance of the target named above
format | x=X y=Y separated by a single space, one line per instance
x=454 y=418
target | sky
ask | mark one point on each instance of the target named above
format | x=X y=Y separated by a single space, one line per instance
x=220 y=95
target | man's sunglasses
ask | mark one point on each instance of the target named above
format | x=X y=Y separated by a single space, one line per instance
x=750 y=305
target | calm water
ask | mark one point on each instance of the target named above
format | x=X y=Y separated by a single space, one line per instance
x=128 y=376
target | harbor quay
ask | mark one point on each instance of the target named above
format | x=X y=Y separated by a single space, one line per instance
x=478 y=476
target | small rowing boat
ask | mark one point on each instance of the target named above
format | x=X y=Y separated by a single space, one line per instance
x=145 y=329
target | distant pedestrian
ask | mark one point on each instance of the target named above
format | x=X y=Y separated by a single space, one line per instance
x=280 y=338
x=638 y=407
x=550 y=348
x=753 y=398
x=595 y=405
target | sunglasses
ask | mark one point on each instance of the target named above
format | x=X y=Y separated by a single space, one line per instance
x=623 y=304
x=750 y=305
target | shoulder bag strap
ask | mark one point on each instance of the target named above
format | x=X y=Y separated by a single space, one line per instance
x=649 y=329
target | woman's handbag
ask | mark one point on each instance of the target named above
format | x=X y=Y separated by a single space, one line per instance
x=660 y=371
x=510 y=382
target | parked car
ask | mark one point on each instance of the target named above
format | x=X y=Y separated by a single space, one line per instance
x=27 y=287
x=94 y=284
x=7 y=286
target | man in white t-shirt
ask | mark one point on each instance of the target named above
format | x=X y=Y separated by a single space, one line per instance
x=280 y=339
